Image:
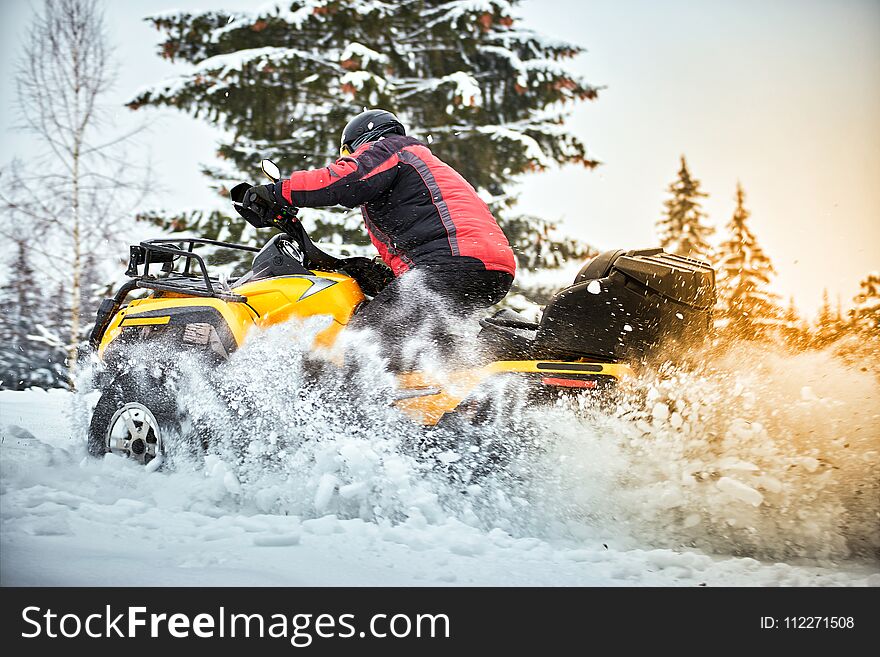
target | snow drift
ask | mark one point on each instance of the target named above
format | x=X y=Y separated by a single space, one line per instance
x=690 y=476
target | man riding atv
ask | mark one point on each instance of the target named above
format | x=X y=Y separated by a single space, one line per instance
x=427 y=222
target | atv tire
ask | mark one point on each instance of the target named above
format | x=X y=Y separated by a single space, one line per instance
x=136 y=417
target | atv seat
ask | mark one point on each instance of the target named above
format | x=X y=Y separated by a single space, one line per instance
x=510 y=334
x=507 y=318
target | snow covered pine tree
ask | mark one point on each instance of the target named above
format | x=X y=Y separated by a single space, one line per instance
x=681 y=229
x=829 y=325
x=794 y=329
x=865 y=315
x=487 y=95
x=31 y=355
x=746 y=306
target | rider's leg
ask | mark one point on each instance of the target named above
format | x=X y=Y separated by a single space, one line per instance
x=421 y=305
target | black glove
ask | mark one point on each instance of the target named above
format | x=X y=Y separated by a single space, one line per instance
x=372 y=276
x=265 y=207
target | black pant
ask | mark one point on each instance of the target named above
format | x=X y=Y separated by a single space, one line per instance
x=421 y=304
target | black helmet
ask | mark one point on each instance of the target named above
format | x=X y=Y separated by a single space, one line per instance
x=368 y=126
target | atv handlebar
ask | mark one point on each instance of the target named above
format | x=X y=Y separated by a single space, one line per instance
x=287 y=223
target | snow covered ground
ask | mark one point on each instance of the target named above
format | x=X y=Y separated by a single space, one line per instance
x=676 y=494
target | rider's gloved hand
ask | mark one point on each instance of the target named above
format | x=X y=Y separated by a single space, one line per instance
x=267 y=202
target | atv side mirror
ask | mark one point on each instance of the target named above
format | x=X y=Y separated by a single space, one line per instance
x=270 y=170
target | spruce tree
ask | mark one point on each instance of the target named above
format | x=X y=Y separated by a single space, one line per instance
x=865 y=315
x=828 y=326
x=681 y=229
x=791 y=316
x=825 y=317
x=488 y=95
x=31 y=354
x=744 y=272
x=793 y=327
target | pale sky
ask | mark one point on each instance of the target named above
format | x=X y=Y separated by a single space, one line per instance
x=783 y=95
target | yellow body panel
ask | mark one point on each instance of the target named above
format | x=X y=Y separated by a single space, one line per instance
x=237 y=315
x=269 y=302
x=278 y=299
x=429 y=407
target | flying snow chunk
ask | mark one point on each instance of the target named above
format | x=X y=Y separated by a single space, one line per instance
x=809 y=463
x=660 y=412
x=448 y=457
x=155 y=464
x=430 y=139
x=807 y=394
x=627 y=328
x=370 y=125
x=326 y=488
x=679 y=315
x=594 y=287
x=740 y=491
x=692 y=520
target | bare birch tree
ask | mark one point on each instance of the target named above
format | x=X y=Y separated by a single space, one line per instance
x=79 y=190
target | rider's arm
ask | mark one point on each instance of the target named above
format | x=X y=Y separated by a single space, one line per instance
x=350 y=181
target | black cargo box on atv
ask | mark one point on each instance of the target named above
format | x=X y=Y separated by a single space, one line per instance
x=623 y=305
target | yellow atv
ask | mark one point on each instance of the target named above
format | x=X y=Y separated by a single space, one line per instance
x=622 y=306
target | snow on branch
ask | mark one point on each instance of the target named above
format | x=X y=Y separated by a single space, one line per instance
x=170 y=15
x=458 y=8
x=533 y=150
x=534 y=41
x=359 y=79
x=296 y=14
x=363 y=53
x=513 y=59
x=236 y=61
x=465 y=87
x=220 y=66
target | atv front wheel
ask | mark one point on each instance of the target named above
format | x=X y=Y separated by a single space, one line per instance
x=133 y=419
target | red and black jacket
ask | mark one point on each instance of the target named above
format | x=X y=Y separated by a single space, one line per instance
x=418 y=210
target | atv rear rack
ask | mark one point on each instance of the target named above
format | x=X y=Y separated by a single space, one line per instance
x=189 y=282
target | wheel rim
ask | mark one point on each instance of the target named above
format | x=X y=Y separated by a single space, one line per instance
x=134 y=433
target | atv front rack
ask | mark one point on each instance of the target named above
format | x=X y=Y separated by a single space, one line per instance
x=189 y=282
x=166 y=252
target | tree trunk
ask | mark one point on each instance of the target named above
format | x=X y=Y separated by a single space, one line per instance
x=75 y=301
x=77 y=275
